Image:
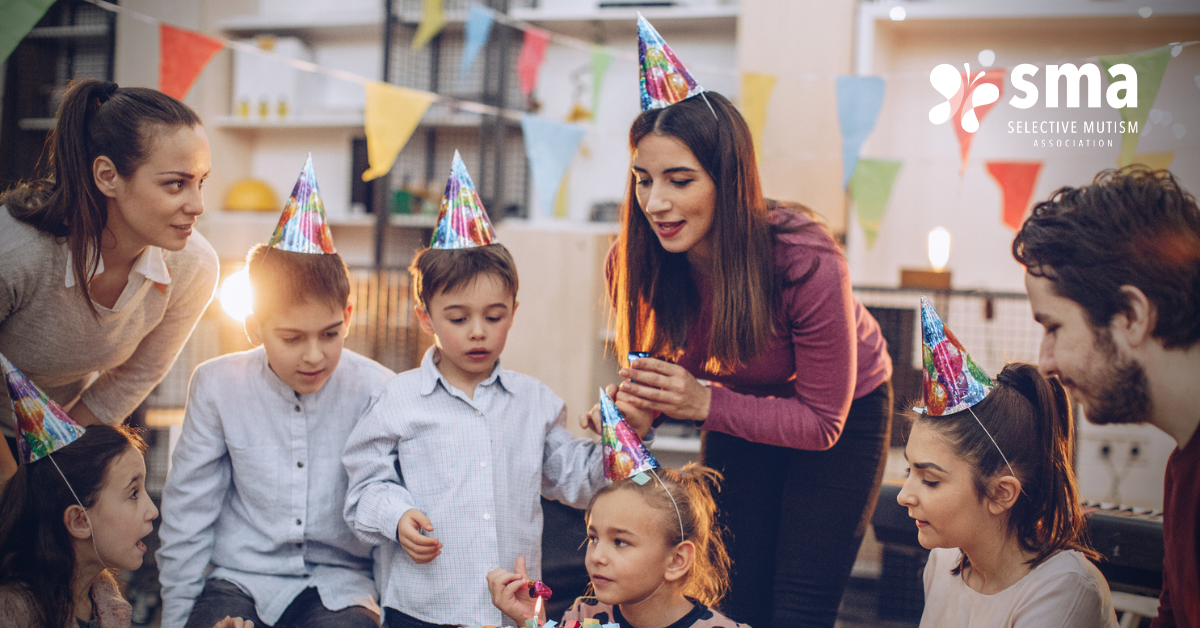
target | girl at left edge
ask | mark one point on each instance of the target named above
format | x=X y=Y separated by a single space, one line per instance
x=101 y=276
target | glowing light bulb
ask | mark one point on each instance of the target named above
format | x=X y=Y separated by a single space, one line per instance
x=939 y=248
x=897 y=14
x=236 y=295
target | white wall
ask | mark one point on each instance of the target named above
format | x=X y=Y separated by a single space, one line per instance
x=929 y=191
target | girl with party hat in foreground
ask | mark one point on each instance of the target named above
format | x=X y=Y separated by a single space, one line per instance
x=75 y=509
x=993 y=493
x=654 y=555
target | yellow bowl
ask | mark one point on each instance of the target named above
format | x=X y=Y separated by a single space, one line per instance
x=251 y=195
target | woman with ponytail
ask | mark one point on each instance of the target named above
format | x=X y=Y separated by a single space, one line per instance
x=101 y=277
x=654 y=554
x=992 y=489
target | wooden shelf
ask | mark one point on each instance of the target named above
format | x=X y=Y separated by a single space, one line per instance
x=308 y=26
x=580 y=23
x=303 y=121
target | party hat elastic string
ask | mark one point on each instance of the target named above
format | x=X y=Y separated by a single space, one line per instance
x=997 y=446
x=85 y=515
x=678 y=515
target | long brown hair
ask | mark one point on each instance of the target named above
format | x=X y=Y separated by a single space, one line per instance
x=36 y=554
x=654 y=294
x=691 y=487
x=95 y=118
x=1030 y=419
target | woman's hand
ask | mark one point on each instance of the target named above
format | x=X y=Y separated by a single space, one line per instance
x=510 y=592
x=658 y=386
x=640 y=421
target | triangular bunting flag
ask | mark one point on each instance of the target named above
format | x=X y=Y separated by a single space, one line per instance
x=478 y=28
x=529 y=61
x=391 y=115
x=601 y=57
x=859 y=99
x=1016 y=180
x=433 y=18
x=182 y=56
x=550 y=146
x=870 y=188
x=20 y=16
x=1150 y=66
x=756 y=93
x=967 y=109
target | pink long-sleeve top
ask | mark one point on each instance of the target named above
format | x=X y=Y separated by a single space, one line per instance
x=828 y=350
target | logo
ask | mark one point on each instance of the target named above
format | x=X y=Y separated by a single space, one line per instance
x=964 y=94
x=977 y=92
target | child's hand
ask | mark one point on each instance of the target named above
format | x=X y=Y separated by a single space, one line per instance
x=234 y=622
x=510 y=592
x=419 y=547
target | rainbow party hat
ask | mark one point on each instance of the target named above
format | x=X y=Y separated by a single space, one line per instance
x=953 y=381
x=42 y=426
x=462 y=223
x=624 y=453
x=664 y=80
x=302 y=227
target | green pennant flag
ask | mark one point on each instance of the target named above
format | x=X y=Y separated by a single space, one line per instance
x=19 y=17
x=601 y=56
x=870 y=188
x=1150 y=66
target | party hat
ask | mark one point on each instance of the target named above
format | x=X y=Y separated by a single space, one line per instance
x=462 y=223
x=624 y=453
x=953 y=381
x=664 y=80
x=302 y=227
x=42 y=426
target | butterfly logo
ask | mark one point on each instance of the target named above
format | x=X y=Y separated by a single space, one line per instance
x=949 y=82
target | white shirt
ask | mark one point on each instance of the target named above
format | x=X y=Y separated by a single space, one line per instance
x=257 y=486
x=1065 y=591
x=475 y=467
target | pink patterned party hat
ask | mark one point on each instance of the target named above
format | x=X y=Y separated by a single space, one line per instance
x=42 y=426
x=462 y=223
x=953 y=381
x=664 y=80
x=302 y=227
x=624 y=453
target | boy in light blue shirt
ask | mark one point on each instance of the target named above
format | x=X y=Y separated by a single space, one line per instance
x=256 y=487
x=447 y=466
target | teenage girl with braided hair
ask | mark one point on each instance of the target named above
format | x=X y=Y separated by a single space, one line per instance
x=654 y=554
x=101 y=277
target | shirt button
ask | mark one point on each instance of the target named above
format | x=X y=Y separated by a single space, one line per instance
x=478 y=413
x=483 y=463
x=297 y=522
x=300 y=464
x=297 y=408
x=300 y=545
x=486 y=516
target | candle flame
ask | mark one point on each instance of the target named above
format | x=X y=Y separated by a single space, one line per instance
x=537 y=607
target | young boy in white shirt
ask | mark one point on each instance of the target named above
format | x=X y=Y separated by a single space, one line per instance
x=447 y=465
x=256 y=486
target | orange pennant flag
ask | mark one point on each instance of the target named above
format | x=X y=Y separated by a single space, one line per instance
x=969 y=108
x=181 y=58
x=1016 y=180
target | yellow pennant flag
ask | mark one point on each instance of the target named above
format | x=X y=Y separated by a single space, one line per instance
x=392 y=114
x=756 y=93
x=433 y=18
x=1156 y=161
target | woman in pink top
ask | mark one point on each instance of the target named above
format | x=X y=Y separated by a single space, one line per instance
x=745 y=306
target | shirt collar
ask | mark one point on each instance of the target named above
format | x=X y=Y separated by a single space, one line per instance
x=150 y=264
x=430 y=375
x=272 y=380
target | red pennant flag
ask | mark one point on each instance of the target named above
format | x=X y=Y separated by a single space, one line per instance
x=182 y=56
x=994 y=76
x=1016 y=180
x=533 y=51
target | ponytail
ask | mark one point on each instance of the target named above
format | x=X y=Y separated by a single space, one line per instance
x=95 y=118
x=1029 y=418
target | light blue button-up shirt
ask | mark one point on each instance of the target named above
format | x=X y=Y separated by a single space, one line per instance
x=475 y=467
x=256 y=488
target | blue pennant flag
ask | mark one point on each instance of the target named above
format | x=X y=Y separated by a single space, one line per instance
x=550 y=146
x=479 y=27
x=859 y=99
